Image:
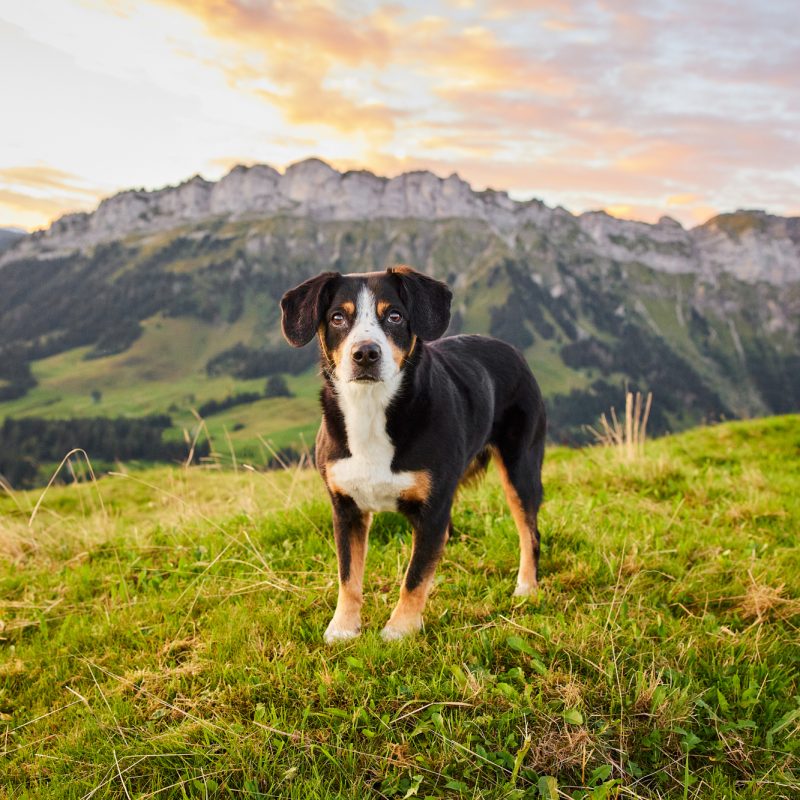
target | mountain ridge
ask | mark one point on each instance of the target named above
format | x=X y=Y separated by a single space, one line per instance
x=750 y=244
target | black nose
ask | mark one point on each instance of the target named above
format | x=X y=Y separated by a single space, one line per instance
x=366 y=353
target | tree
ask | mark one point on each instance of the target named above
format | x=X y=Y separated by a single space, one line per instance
x=277 y=387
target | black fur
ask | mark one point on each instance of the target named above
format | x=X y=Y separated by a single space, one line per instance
x=302 y=308
x=427 y=300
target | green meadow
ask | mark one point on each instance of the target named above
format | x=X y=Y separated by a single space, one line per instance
x=164 y=373
x=161 y=635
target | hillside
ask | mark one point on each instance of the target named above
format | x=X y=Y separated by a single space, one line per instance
x=159 y=302
x=9 y=236
x=161 y=636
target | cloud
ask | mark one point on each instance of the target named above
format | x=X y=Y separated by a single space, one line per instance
x=476 y=57
x=47 y=178
x=32 y=195
x=584 y=103
x=682 y=199
x=287 y=54
x=44 y=206
x=312 y=54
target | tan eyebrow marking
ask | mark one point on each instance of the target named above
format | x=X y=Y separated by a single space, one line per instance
x=382 y=306
x=349 y=307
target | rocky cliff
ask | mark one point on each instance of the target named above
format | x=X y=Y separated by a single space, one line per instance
x=751 y=245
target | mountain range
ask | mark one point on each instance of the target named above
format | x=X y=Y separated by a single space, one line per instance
x=162 y=301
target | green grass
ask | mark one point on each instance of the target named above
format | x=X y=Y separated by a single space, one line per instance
x=168 y=643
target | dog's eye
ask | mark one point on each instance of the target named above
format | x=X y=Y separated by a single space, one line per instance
x=337 y=319
x=394 y=316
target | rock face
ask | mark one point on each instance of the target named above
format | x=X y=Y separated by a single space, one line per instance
x=751 y=245
x=307 y=189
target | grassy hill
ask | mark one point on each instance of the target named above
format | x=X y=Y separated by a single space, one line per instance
x=161 y=636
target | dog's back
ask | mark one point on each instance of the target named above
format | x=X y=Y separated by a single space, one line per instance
x=467 y=393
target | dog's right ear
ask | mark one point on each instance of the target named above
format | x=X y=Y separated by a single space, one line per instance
x=302 y=308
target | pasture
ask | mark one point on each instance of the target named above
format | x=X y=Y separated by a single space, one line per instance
x=161 y=636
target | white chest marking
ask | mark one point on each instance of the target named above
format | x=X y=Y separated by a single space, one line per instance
x=367 y=474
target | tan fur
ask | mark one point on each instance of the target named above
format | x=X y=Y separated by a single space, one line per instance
x=421 y=490
x=333 y=486
x=398 y=356
x=383 y=306
x=407 y=615
x=526 y=580
x=346 y=621
x=349 y=307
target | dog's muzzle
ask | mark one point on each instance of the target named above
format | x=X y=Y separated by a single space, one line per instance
x=366 y=357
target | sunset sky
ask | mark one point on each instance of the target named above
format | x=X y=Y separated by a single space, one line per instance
x=644 y=109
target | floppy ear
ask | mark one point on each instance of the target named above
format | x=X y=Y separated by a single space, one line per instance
x=302 y=308
x=427 y=300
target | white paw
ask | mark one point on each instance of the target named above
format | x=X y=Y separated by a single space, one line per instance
x=334 y=633
x=393 y=631
x=525 y=589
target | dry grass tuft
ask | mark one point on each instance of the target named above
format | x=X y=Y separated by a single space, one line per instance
x=645 y=702
x=179 y=650
x=12 y=668
x=628 y=435
x=561 y=747
x=762 y=601
x=571 y=693
x=561 y=687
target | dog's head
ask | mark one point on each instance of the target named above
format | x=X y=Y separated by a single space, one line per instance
x=368 y=324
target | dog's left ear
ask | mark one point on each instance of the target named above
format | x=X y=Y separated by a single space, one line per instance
x=302 y=308
x=427 y=300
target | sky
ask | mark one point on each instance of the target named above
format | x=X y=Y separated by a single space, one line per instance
x=686 y=109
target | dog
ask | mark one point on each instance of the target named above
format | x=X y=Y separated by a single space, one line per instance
x=406 y=417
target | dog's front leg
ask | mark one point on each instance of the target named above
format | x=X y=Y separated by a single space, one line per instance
x=430 y=536
x=351 y=528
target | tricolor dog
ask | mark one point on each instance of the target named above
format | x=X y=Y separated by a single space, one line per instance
x=407 y=416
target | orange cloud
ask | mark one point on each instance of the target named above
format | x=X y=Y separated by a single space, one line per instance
x=300 y=49
x=657 y=158
x=581 y=102
x=44 y=177
x=475 y=57
x=295 y=47
x=46 y=207
x=35 y=194
x=309 y=103
x=682 y=199
x=302 y=26
x=471 y=143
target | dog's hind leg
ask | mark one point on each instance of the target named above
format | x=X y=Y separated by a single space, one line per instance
x=351 y=530
x=520 y=469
